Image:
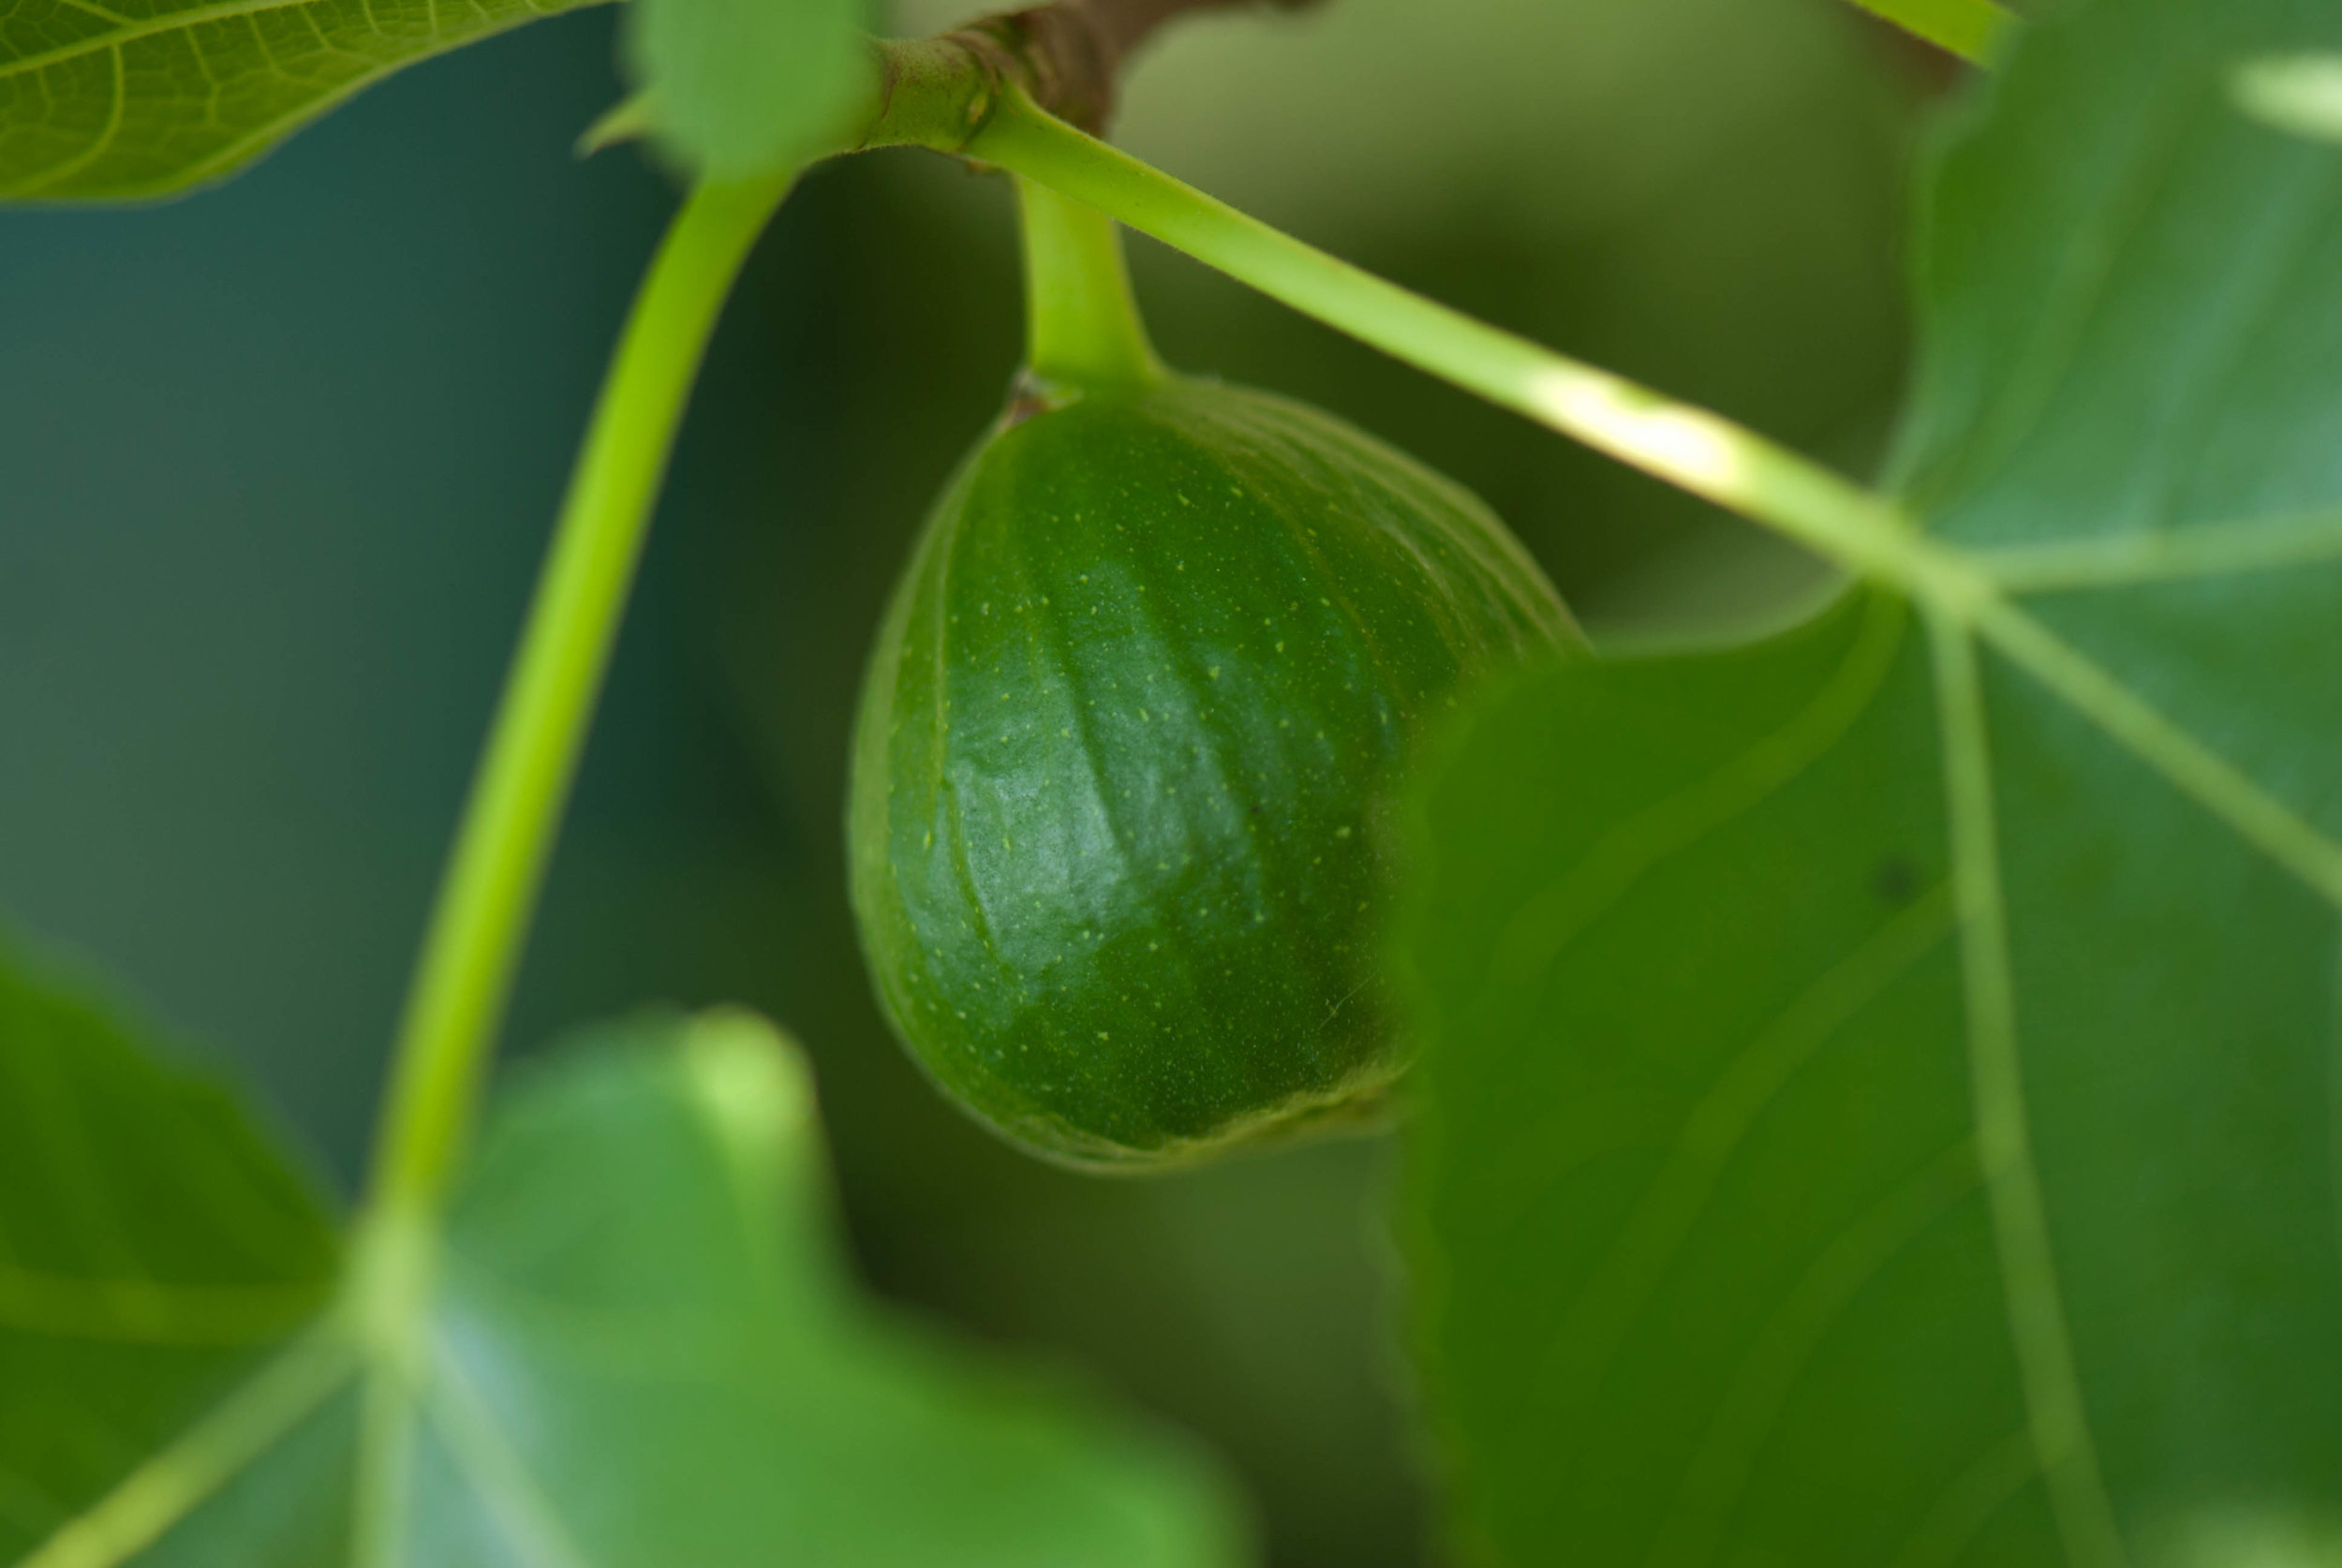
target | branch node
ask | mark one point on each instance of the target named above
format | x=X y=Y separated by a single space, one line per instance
x=1065 y=55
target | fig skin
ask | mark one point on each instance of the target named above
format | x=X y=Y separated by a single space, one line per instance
x=1155 y=658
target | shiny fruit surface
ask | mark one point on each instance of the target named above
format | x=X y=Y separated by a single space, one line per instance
x=1122 y=740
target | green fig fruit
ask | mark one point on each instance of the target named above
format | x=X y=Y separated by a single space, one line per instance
x=1133 y=706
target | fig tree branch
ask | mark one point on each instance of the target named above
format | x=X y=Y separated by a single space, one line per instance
x=1067 y=57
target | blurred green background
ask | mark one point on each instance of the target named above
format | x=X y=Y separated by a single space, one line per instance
x=279 y=462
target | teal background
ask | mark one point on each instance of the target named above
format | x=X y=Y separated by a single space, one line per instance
x=279 y=460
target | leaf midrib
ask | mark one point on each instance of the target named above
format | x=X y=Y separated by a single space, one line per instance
x=380 y=1337
x=1966 y=606
x=130 y=32
x=2040 y=1334
x=137 y=1310
x=1958 y=586
x=1970 y=598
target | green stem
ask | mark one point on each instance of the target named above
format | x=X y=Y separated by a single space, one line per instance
x=491 y=884
x=1082 y=327
x=1700 y=452
x=1974 y=30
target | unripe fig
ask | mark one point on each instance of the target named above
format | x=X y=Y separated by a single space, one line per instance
x=1133 y=703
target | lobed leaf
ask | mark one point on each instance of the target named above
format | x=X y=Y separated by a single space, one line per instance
x=154 y=1246
x=634 y=1344
x=112 y=100
x=647 y=1352
x=1879 y=1098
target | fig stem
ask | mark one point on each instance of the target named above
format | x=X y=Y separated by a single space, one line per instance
x=489 y=889
x=1082 y=326
x=1686 y=446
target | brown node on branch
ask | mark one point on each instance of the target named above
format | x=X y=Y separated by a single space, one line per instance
x=1068 y=55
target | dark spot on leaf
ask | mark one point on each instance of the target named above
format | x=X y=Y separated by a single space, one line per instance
x=1896 y=882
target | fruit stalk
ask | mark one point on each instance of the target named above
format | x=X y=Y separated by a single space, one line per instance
x=1082 y=326
x=1688 y=447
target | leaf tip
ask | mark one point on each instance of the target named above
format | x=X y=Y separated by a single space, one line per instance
x=749 y=1078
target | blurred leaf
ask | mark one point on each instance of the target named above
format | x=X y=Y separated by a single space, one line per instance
x=152 y=1246
x=2296 y=92
x=740 y=88
x=1878 y=1101
x=645 y=1314
x=635 y=1345
x=1972 y=29
x=101 y=102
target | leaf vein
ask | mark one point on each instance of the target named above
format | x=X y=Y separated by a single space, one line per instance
x=2203 y=550
x=1720 y=1470
x=1548 y=921
x=143 y=1310
x=2073 y=299
x=501 y=1476
x=146 y=27
x=145 y=1503
x=1951 y=1524
x=2057 y=1420
x=1647 y=1245
x=2211 y=781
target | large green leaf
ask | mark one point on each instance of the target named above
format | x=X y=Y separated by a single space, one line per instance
x=142 y=97
x=634 y=1344
x=1880 y=1100
x=152 y=1246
